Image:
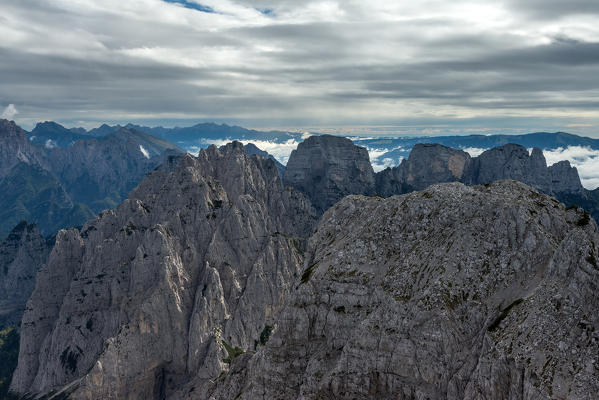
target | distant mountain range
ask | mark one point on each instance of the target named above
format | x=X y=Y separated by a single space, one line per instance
x=57 y=186
x=394 y=149
x=399 y=148
x=58 y=177
x=190 y=138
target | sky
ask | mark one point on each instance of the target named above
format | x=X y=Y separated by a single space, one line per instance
x=375 y=67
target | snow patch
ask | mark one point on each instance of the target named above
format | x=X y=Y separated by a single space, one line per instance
x=144 y=152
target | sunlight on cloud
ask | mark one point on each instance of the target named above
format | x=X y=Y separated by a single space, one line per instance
x=473 y=151
x=585 y=159
x=280 y=151
x=9 y=112
x=379 y=165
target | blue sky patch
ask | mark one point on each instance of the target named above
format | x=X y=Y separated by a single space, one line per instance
x=266 y=11
x=191 y=5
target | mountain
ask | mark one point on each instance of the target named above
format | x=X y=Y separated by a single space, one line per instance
x=57 y=187
x=327 y=168
x=427 y=165
x=32 y=193
x=397 y=149
x=251 y=149
x=434 y=163
x=52 y=134
x=22 y=254
x=454 y=292
x=189 y=271
x=200 y=135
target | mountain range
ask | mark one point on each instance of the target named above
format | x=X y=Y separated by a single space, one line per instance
x=225 y=275
x=57 y=187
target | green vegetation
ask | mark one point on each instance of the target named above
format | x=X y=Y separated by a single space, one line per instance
x=233 y=352
x=495 y=324
x=265 y=334
x=591 y=259
x=307 y=274
x=339 y=309
x=9 y=354
x=584 y=220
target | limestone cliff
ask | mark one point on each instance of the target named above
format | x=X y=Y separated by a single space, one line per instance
x=180 y=278
x=22 y=254
x=454 y=292
x=326 y=168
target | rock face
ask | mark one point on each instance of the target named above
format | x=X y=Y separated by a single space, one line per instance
x=427 y=165
x=191 y=268
x=326 y=168
x=455 y=292
x=22 y=254
x=251 y=149
x=512 y=161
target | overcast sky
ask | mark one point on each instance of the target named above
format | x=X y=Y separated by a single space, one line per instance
x=406 y=66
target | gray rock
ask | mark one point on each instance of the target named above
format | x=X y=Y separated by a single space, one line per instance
x=512 y=161
x=144 y=297
x=251 y=149
x=326 y=168
x=427 y=165
x=22 y=254
x=455 y=292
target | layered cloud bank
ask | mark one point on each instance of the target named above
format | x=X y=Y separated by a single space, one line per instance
x=434 y=65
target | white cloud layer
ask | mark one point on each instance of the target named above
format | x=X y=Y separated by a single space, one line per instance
x=280 y=151
x=473 y=151
x=9 y=112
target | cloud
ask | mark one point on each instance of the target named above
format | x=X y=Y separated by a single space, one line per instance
x=473 y=151
x=376 y=153
x=317 y=62
x=585 y=159
x=50 y=144
x=9 y=112
x=280 y=151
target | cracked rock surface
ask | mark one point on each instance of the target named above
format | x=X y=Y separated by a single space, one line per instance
x=454 y=292
x=145 y=297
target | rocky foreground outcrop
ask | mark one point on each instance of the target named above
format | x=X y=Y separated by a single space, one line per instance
x=326 y=168
x=181 y=277
x=22 y=254
x=454 y=292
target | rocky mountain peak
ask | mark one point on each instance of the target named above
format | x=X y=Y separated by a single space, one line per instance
x=195 y=264
x=327 y=167
x=9 y=129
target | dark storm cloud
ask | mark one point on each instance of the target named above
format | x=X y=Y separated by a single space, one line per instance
x=322 y=61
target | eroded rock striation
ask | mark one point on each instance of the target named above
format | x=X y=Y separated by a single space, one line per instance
x=326 y=168
x=178 y=280
x=22 y=254
x=454 y=292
